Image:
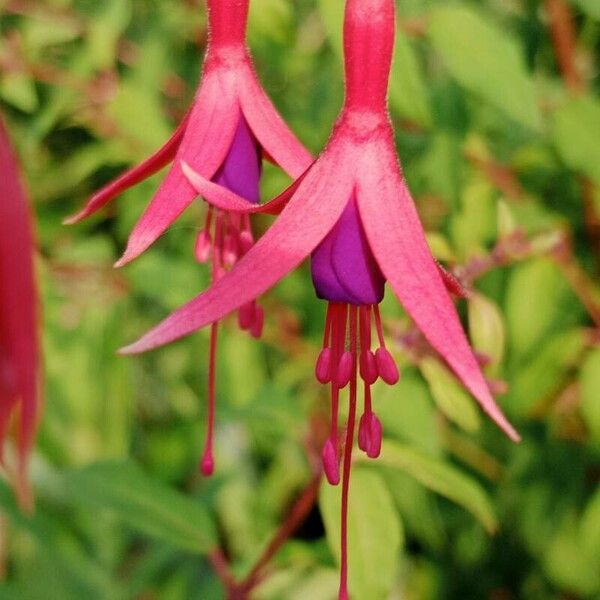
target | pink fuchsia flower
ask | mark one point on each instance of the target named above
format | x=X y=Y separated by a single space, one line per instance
x=19 y=343
x=230 y=127
x=353 y=214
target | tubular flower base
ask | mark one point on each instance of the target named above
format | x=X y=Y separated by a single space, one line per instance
x=352 y=212
x=19 y=343
x=231 y=125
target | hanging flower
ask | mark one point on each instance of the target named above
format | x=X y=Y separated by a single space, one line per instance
x=231 y=125
x=353 y=214
x=19 y=343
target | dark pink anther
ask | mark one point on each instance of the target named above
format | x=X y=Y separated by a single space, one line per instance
x=363 y=434
x=344 y=370
x=323 y=366
x=386 y=366
x=375 y=436
x=259 y=321
x=230 y=255
x=368 y=367
x=331 y=464
x=203 y=246
x=246 y=315
x=246 y=241
x=207 y=464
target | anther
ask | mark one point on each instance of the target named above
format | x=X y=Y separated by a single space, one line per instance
x=344 y=370
x=323 y=366
x=259 y=321
x=203 y=246
x=331 y=464
x=386 y=366
x=368 y=367
x=207 y=464
x=246 y=315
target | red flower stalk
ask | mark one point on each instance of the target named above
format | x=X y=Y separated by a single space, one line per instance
x=230 y=126
x=353 y=214
x=19 y=343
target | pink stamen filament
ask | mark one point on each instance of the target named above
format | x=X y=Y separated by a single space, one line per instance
x=343 y=591
x=379 y=326
x=207 y=464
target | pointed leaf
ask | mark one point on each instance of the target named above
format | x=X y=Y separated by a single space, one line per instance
x=145 y=504
x=483 y=58
x=374 y=533
x=442 y=478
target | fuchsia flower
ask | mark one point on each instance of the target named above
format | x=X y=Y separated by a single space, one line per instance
x=231 y=125
x=353 y=214
x=19 y=343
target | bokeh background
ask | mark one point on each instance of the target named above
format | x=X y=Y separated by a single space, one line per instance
x=497 y=115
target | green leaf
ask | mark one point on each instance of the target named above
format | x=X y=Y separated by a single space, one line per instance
x=452 y=399
x=270 y=19
x=144 y=504
x=486 y=328
x=591 y=7
x=19 y=90
x=408 y=93
x=442 y=478
x=590 y=393
x=576 y=131
x=538 y=299
x=485 y=60
x=374 y=533
x=535 y=380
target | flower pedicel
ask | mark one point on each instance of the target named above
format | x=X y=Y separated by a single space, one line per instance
x=229 y=128
x=353 y=214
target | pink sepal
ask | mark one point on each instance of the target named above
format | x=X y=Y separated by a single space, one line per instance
x=302 y=225
x=161 y=158
x=19 y=338
x=208 y=137
x=275 y=137
x=224 y=199
x=398 y=242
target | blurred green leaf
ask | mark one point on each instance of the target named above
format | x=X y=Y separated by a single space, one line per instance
x=374 y=533
x=442 y=478
x=484 y=59
x=590 y=393
x=538 y=299
x=408 y=93
x=144 y=504
x=576 y=130
x=486 y=329
x=591 y=7
x=450 y=396
x=18 y=89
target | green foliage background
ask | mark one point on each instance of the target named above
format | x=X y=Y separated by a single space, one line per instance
x=499 y=153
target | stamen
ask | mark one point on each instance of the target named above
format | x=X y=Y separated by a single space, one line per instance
x=259 y=321
x=386 y=365
x=343 y=591
x=368 y=364
x=344 y=370
x=202 y=246
x=323 y=366
x=246 y=315
x=207 y=463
